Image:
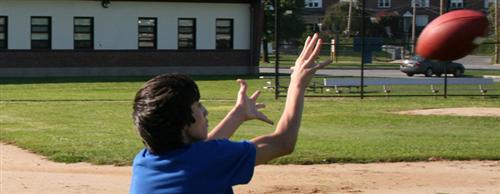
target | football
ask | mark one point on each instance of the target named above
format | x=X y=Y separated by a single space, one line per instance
x=452 y=35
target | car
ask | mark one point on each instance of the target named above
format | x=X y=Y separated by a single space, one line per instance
x=419 y=65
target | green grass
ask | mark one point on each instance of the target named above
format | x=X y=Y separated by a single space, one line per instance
x=481 y=73
x=88 y=119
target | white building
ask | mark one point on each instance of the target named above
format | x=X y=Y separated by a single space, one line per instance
x=103 y=37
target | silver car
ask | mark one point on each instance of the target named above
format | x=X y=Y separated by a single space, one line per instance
x=419 y=65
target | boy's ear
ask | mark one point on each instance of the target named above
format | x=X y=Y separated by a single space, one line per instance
x=186 y=136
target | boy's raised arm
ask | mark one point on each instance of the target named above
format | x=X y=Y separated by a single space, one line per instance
x=282 y=140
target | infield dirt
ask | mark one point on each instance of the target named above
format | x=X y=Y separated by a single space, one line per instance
x=24 y=172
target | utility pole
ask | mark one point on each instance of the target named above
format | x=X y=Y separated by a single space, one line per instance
x=265 y=51
x=348 y=30
x=497 y=34
x=277 y=49
x=441 y=7
x=413 y=26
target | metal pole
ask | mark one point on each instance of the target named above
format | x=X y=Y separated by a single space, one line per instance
x=497 y=35
x=265 y=51
x=445 y=79
x=363 y=14
x=277 y=50
x=441 y=11
x=413 y=26
x=349 y=19
x=441 y=7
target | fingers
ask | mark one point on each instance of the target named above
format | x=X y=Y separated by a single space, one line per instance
x=308 y=40
x=316 y=50
x=243 y=87
x=255 y=95
x=264 y=118
x=260 y=106
x=309 y=47
x=321 y=65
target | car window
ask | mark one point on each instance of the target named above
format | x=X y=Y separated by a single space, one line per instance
x=417 y=58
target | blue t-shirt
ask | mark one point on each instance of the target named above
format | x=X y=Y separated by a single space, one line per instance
x=202 y=167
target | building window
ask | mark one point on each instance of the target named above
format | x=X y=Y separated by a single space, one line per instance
x=83 y=32
x=422 y=20
x=147 y=33
x=41 y=33
x=224 y=33
x=384 y=3
x=456 y=4
x=487 y=3
x=421 y=3
x=3 y=32
x=313 y=4
x=186 y=33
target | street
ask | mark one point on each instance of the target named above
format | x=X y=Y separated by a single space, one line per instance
x=470 y=63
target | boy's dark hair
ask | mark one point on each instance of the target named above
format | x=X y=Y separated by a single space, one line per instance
x=162 y=108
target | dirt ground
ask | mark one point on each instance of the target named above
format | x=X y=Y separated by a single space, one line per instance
x=24 y=172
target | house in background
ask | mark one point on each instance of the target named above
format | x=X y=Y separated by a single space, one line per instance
x=314 y=12
x=128 y=37
x=426 y=11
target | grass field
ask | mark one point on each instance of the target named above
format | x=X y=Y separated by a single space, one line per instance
x=88 y=119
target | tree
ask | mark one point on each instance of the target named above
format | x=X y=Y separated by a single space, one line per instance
x=377 y=25
x=291 y=25
x=336 y=17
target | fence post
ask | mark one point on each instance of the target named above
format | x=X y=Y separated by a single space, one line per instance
x=333 y=52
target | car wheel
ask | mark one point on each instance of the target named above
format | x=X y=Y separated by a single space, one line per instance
x=428 y=72
x=409 y=74
x=458 y=73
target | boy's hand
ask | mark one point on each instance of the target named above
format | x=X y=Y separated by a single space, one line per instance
x=247 y=107
x=305 y=67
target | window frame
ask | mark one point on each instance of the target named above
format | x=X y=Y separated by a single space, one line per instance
x=193 y=32
x=49 y=33
x=231 y=34
x=5 y=44
x=453 y=2
x=426 y=3
x=313 y=4
x=419 y=20
x=488 y=3
x=92 y=47
x=155 y=33
x=384 y=3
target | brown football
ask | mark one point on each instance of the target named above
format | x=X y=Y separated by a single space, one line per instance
x=452 y=35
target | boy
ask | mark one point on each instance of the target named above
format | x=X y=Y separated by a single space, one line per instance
x=182 y=157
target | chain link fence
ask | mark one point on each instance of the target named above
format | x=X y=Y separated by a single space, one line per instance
x=388 y=69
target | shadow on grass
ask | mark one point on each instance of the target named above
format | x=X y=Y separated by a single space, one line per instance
x=44 y=80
